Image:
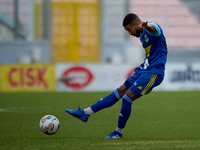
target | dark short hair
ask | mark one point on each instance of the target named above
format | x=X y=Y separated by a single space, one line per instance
x=129 y=18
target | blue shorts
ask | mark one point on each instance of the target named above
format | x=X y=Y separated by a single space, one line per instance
x=143 y=83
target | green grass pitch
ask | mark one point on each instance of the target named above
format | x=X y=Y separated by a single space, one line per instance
x=159 y=121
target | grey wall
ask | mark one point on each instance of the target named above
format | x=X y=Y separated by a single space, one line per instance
x=15 y=52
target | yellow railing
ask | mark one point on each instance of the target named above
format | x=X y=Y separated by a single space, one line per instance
x=75 y=32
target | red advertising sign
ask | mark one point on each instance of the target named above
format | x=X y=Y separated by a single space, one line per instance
x=77 y=77
x=130 y=73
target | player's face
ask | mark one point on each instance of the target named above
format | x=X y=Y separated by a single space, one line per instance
x=133 y=29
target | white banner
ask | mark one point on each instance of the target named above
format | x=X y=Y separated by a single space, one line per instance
x=91 y=77
x=104 y=77
x=181 y=77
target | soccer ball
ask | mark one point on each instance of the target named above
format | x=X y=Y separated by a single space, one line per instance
x=49 y=124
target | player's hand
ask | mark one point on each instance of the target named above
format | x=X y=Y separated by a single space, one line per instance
x=144 y=25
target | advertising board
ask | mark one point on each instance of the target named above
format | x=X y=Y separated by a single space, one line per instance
x=27 y=78
x=91 y=77
x=104 y=77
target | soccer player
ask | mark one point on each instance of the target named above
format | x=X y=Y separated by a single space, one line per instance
x=147 y=76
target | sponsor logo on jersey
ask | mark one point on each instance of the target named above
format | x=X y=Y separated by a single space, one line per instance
x=146 y=39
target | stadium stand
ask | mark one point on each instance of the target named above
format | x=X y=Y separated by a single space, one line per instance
x=181 y=26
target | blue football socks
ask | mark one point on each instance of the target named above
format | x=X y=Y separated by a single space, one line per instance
x=125 y=111
x=106 y=101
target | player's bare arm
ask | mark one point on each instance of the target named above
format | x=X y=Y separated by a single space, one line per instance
x=150 y=27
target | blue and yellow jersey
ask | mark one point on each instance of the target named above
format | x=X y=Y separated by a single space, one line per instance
x=155 y=47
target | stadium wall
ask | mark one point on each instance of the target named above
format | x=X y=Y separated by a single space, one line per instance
x=89 y=77
x=25 y=52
